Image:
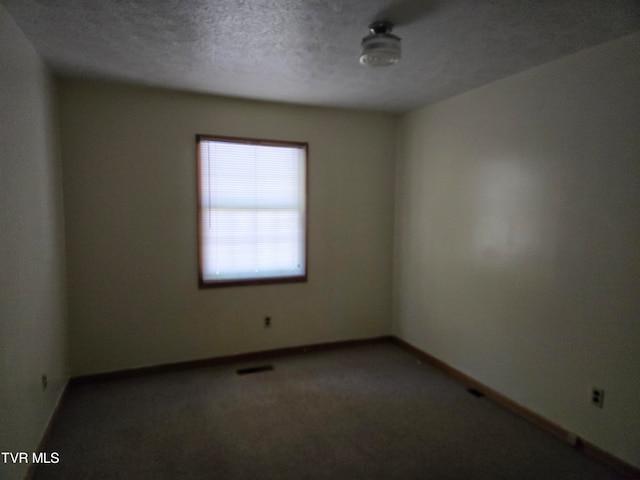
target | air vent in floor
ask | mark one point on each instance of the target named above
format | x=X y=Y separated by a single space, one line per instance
x=475 y=392
x=261 y=368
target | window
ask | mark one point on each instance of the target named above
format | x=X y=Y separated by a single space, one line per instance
x=252 y=211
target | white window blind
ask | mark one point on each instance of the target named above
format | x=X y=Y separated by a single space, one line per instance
x=252 y=210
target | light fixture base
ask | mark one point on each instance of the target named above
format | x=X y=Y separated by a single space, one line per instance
x=380 y=27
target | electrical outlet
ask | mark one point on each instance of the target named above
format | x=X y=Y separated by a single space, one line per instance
x=45 y=382
x=597 y=397
x=267 y=322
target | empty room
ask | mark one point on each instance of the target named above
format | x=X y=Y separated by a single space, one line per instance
x=325 y=240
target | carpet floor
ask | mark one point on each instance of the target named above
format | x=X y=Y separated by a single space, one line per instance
x=365 y=412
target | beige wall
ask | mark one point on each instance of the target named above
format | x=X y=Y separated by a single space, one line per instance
x=518 y=239
x=130 y=204
x=32 y=305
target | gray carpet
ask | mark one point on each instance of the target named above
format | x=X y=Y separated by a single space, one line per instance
x=367 y=412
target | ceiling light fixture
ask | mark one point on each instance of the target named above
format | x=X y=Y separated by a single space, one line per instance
x=380 y=48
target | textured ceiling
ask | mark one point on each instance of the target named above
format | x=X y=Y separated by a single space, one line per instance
x=306 y=51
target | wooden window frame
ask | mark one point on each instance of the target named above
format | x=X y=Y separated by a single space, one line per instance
x=202 y=283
